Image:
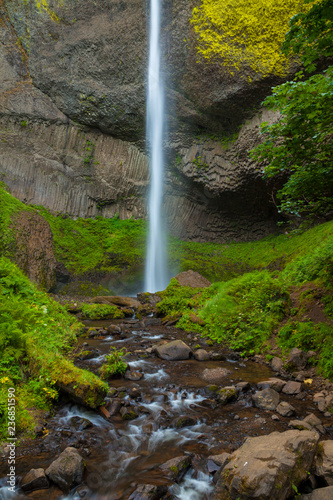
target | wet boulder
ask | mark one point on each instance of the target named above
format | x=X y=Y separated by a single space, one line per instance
x=67 y=470
x=185 y=421
x=35 y=480
x=227 y=394
x=268 y=399
x=148 y=492
x=173 y=351
x=324 y=462
x=128 y=413
x=80 y=423
x=176 y=468
x=201 y=355
x=267 y=466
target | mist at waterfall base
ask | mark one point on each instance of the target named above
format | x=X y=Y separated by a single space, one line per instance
x=156 y=274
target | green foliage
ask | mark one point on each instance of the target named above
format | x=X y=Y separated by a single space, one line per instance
x=176 y=299
x=300 y=144
x=244 y=311
x=115 y=365
x=313 y=265
x=35 y=334
x=311 y=34
x=86 y=244
x=101 y=311
x=309 y=336
x=223 y=262
x=245 y=35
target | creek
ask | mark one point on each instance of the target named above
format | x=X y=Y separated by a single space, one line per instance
x=177 y=415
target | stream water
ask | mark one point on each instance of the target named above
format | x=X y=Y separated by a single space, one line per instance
x=177 y=415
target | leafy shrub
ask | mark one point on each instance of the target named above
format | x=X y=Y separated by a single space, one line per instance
x=176 y=299
x=115 y=365
x=311 y=266
x=310 y=336
x=244 y=311
x=101 y=311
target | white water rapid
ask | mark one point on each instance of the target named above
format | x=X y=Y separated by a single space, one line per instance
x=156 y=268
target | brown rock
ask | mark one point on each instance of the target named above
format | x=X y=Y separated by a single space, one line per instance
x=119 y=301
x=34 y=248
x=176 y=468
x=285 y=409
x=35 y=480
x=215 y=375
x=201 y=355
x=273 y=383
x=192 y=279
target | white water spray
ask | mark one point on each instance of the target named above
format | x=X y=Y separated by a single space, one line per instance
x=156 y=273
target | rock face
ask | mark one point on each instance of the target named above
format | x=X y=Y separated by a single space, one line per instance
x=192 y=279
x=67 y=470
x=324 y=462
x=72 y=113
x=267 y=466
x=34 y=248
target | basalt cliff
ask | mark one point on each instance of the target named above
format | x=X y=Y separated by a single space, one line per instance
x=72 y=112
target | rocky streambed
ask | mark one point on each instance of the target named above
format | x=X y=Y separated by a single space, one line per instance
x=188 y=420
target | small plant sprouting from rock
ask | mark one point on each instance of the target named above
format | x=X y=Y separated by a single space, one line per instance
x=115 y=365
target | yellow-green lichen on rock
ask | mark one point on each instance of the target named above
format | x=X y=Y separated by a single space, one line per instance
x=243 y=35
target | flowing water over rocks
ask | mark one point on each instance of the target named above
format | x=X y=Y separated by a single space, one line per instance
x=169 y=413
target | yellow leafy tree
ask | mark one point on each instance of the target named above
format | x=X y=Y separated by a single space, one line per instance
x=245 y=35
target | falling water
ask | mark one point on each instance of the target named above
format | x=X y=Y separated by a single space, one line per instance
x=156 y=273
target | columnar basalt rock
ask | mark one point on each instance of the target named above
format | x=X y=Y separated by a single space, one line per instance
x=72 y=114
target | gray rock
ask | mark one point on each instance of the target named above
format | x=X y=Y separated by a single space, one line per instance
x=176 y=468
x=292 y=387
x=312 y=419
x=214 y=375
x=268 y=399
x=173 y=351
x=67 y=470
x=267 y=467
x=285 y=409
x=319 y=494
x=35 y=480
x=276 y=364
x=148 y=492
x=201 y=355
x=273 y=383
x=324 y=462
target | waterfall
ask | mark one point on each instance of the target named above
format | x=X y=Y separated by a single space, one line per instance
x=156 y=267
